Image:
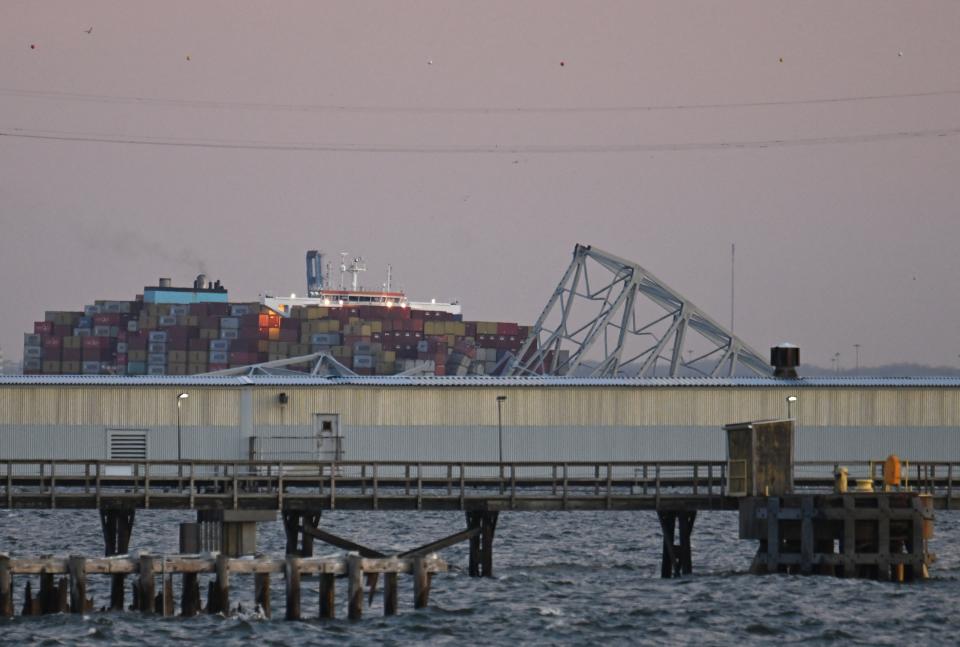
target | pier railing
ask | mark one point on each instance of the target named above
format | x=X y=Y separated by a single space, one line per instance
x=414 y=485
x=357 y=484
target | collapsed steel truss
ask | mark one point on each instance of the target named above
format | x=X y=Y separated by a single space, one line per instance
x=322 y=364
x=591 y=327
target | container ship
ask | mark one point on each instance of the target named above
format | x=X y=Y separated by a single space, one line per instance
x=171 y=330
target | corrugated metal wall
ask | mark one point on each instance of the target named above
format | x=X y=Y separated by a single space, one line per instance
x=460 y=423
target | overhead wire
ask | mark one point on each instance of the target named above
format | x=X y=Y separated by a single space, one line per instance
x=399 y=109
x=532 y=149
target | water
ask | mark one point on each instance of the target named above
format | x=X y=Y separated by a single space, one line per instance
x=560 y=578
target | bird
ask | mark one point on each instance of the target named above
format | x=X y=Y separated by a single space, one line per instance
x=88 y=31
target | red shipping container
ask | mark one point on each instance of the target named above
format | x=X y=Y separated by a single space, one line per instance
x=121 y=358
x=71 y=354
x=289 y=335
x=218 y=309
x=95 y=342
x=198 y=309
x=505 y=328
x=217 y=367
x=62 y=330
x=52 y=342
x=110 y=319
x=176 y=344
x=51 y=353
x=136 y=342
x=198 y=344
x=93 y=355
x=42 y=327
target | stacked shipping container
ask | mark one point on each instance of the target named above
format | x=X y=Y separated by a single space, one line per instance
x=137 y=338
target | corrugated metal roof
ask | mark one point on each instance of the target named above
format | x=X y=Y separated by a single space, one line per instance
x=477 y=381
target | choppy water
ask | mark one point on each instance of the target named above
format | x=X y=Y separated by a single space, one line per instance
x=561 y=578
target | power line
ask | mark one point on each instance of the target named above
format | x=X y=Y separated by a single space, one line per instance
x=385 y=109
x=496 y=149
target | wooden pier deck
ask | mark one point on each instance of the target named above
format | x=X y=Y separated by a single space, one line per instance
x=398 y=485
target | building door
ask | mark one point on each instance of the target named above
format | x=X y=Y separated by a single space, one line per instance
x=326 y=433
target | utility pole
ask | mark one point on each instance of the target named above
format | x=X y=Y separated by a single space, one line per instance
x=733 y=253
x=856 y=347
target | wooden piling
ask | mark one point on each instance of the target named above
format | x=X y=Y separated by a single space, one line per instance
x=28 y=607
x=145 y=593
x=328 y=609
x=291 y=573
x=355 y=586
x=168 y=606
x=222 y=583
x=390 y=594
x=62 y=595
x=261 y=592
x=6 y=588
x=190 y=595
x=78 y=584
x=47 y=595
x=421 y=584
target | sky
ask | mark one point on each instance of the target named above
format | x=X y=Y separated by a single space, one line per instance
x=471 y=145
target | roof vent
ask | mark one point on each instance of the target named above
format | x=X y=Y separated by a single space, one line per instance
x=785 y=359
x=165 y=283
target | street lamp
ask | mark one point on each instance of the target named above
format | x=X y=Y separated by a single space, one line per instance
x=180 y=398
x=500 y=400
x=790 y=400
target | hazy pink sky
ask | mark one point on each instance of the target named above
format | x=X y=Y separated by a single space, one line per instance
x=447 y=140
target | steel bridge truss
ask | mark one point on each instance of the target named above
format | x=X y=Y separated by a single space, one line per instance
x=597 y=324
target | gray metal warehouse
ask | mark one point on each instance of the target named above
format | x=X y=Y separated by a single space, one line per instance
x=456 y=418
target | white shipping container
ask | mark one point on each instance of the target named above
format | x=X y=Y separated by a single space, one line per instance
x=218 y=357
x=157 y=347
x=220 y=344
x=229 y=334
x=166 y=320
x=32 y=340
x=101 y=331
x=32 y=351
x=229 y=323
x=157 y=358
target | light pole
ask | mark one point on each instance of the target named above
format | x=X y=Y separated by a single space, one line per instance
x=500 y=400
x=856 y=348
x=790 y=400
x=180 y=398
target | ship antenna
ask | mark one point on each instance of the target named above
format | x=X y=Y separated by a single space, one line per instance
x=343 y=267
x=389 y=276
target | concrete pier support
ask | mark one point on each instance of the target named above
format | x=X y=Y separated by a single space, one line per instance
x=117 y=525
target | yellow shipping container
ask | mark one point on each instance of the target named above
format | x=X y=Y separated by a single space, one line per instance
x=193 y=369
x=137 y=356
x=70 y=367
x=389 y=356
x=333 y=325
x=366 y=330
x=72 y=342
x=376 y=326
x=177 y=357
x=51 y=366
x=486 y=328
x=176 y=369
x=197 y=357
x=263 y=346
x=430 y=328
x=305 y=328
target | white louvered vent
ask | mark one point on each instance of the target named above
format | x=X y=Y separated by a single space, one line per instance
x=127 y=444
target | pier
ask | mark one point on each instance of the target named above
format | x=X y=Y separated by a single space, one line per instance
x=69 y=594
x=230 y=497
